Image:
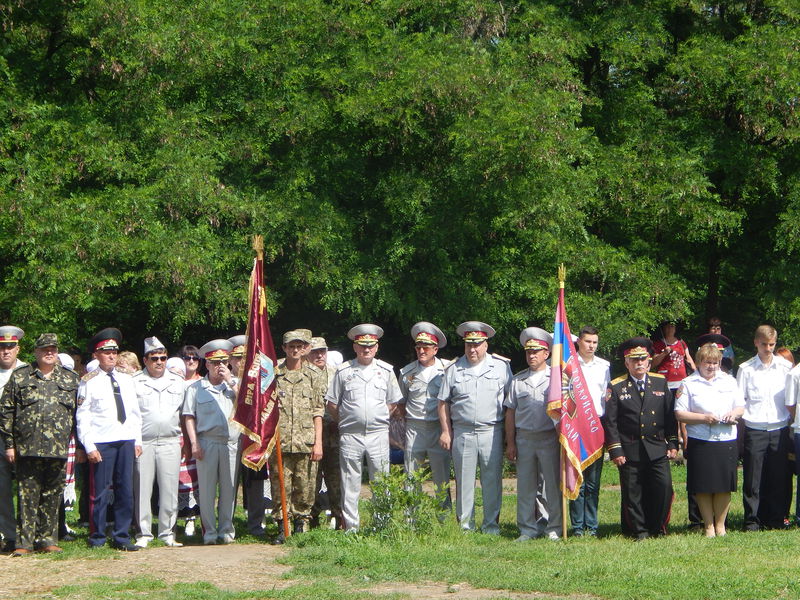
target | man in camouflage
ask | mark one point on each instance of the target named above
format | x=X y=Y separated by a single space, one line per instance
x=300 y=390
x=36 y=421
x=329 y=464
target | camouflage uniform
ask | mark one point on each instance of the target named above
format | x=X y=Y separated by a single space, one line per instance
x=37 y=419
x=329 y=465
x=301 y=398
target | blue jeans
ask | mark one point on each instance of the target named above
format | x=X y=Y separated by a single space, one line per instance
x=583 y=510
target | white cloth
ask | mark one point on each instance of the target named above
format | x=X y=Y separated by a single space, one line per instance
x=160 y=461
x=598 y=377
x=160 y=401
x=219 y=468
x=528 y=399
x=538 y=457
x=353 y=447
x=472 y=447
x=793 y=395
x=211 y=406
x=97 y=410
x=420 y=388
x=764 y=387
x=363 y=395
x=717 y=396
x=476 y=392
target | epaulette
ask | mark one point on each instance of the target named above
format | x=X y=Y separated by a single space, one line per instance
x=409 y=367
x=88 y=376
x=384 y=365
x=520 y=373
x=508 y=360
x=71 y=370
x=619 y=379
x=657 y=375
x=19 y=368
x=446 y=362
x=345 y=365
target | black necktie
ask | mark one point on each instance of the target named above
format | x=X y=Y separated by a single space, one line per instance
x=118 y=399
x=640 y=383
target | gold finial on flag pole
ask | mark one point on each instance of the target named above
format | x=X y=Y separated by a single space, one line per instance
x=258 y=246
x=562 y=275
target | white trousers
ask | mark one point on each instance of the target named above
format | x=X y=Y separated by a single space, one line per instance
x=352 y=450
x=422 y=441
x=160 y=461
x=472 y=447
x=538 y=459
x=219 y=468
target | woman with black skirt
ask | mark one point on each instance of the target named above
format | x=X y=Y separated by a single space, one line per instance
x=709 y=402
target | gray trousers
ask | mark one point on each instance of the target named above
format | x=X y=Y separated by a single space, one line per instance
x=538 y=458
x=422 y=441
x=472 y=447
x=352 y=449
x=160 y=461
x=219 y=468
x=8 y=521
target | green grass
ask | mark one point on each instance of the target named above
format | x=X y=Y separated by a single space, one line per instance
x=330 y=565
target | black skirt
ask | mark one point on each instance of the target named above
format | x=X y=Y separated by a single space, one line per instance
x=711 y=466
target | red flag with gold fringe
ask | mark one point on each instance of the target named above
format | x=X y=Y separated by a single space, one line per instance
x=256 y=411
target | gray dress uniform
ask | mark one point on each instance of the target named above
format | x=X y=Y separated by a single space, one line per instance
x=160 y=402
x=211 y=406
x=420 y=388
x=363 y=395
x=537 y=451
x=475 y=394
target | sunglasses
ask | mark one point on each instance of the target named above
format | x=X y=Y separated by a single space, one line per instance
x=158 y=358
x=197 y=358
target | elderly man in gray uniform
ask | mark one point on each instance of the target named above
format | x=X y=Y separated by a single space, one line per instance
x=160 y=395
x=358 y=399
x=9 y=349
x=471 y=416
x=420 y=381
x=532 y=438
x=207 y=407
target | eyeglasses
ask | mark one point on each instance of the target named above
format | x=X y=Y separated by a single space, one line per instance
x=158 y=358
x=187 y=358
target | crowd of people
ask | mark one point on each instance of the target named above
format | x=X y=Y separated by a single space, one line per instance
x=160 y=436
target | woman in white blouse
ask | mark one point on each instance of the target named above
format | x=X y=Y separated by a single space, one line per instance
x=709 y=402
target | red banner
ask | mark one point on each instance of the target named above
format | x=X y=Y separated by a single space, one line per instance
x=256 y=411
x=569 y=401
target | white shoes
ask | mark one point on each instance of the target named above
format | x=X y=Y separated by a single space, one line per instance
x=227 y=538
x=142 y=542
x=553 y=536
x=170 y=541
x=189 y=527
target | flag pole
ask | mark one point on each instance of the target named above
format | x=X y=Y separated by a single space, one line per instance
x=258 y=246
x=562 y=276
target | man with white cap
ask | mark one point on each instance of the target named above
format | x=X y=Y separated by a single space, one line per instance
x=110 y=429
x=9 y=349
x=471 y=416
x=237 y=354
x=420 y=381
x=160 y=395
x=358 y=399
x=328 y=468
x=207 y=407
x=532 y=438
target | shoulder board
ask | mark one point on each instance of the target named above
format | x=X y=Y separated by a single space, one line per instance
x=409 y=367
x=384 y=365
x=343 y=366
x=20 y=368
x=519 y=374
x=68 y=370
x=446 y=362
x=503 y=358
x=619 y=379
x=91 y=375
x=656 y=375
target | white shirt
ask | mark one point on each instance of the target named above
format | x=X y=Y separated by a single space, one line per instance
x=363 y=395
x=97 y=410
x=717 y=396
x=598 y=376
x=764 y=387
x=5 y=374
x=160 y=401
x=793 y=394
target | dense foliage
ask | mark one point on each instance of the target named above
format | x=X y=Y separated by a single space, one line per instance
x=404 y=160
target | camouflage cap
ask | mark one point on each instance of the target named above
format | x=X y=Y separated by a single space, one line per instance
x=319 y=343
x=297 y=335
x=46 y=340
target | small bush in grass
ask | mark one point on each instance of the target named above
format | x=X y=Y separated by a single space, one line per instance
x=400 y=507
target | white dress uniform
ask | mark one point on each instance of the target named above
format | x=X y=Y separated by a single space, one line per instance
x=8 y=521
x=212 y=406
x=420 y=388
x=160 y=402
x=537 y=452
x=363 y=395
x=475 y=394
